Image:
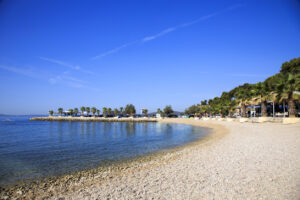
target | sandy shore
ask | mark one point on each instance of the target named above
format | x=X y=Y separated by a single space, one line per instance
x=238 y=161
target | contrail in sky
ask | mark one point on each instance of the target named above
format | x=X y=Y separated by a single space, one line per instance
x=165 y=31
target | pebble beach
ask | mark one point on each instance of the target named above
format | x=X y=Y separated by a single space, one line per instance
x=236 y=161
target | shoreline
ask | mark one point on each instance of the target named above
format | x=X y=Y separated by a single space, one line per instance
x=237 y=161
x=33 y=188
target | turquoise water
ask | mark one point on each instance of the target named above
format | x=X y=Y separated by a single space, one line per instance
x=32 y=149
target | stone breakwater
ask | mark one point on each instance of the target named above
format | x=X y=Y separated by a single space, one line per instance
x=93 y=119
x=147 y=119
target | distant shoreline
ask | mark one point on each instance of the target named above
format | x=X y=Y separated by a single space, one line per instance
x=93 y=119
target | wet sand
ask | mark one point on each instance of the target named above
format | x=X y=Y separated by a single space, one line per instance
x=237 y=161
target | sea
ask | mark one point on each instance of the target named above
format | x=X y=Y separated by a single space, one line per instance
x=36 y=149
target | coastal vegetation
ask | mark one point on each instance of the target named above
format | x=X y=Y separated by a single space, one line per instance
x=281 y=88
x=168 y=110
x=130 y=109
x=109 y=112
x=82 y=109
x=60 y=111
x=85 y=111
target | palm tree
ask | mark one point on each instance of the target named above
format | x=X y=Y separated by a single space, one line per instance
x=146 y=112
x=60 y=111
x=158 y=110
x=262 y=91
x=286 y=85
x=231 y=106
x=243 y=94
x=121 y=110
x=109 y=111
x=104 y=111
x=168 y=110
x=87 y=109
x=76 y=111
x=98 y=112
x=51 y=112
x=130 y=109
x=82 y=109
x=287 y=82
x=227 y=104
x=93 y=110
x=116 y=111
x=204 y=110
x=71 y=111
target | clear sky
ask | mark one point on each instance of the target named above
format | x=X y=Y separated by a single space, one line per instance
x=149 y=53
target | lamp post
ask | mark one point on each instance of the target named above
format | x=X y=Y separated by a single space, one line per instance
x=273 y=107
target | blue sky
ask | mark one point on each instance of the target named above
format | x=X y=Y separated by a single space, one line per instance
x=110 y=53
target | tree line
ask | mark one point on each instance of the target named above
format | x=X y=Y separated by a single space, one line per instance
x=282 y=87
x=129 y=110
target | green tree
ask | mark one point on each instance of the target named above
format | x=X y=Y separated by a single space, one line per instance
x=104 y=111
x=130 y=109
x=204 y=110
x=231 y=106
x=116 y=112
x=291 y=67
x=168 y=110
x=82 y=109
x=146 y=112
x=227 y=104
x=243 y=95
x=121 y=110
x=159 y=112
x=216 y=106
x=60 y=111
x=286 y=85
x=71 y=111
x=51 y=112
x=289 y=83
x=109 y=111
x=192 y=110
x=88 y=110
x=98 y=112
x=93 y=110
x=261 y=90
x=76 y=111
x=203 y=103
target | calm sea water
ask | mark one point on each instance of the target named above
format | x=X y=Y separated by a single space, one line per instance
x=31 y=149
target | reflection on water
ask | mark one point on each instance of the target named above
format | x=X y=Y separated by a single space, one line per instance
x=30 y=149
